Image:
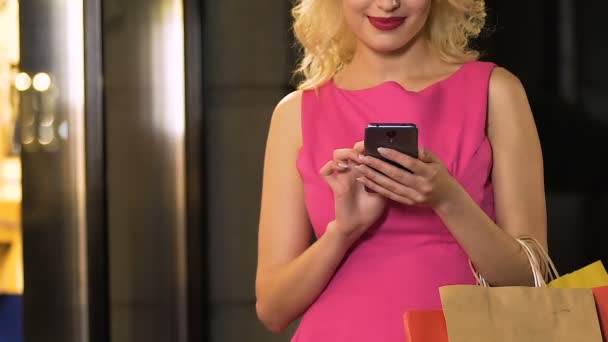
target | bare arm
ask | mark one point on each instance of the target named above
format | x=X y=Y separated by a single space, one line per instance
x=291 y=273
x=518 y=182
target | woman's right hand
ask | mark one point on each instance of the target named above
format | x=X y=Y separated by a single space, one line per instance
x=356 y=208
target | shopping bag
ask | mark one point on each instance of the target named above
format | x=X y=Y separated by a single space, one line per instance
x=425 y=326
x=593 y=275
x=601 y=302
x=522 y=314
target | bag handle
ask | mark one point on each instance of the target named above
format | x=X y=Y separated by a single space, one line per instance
x=543 y=268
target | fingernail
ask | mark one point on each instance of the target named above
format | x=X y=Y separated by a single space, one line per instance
x=363 y=158
x=343 y=165
x=382 y=150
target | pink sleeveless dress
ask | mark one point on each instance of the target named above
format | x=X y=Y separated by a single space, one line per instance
x=409 y=253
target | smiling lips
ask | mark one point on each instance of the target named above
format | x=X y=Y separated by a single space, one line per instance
x=386 y=23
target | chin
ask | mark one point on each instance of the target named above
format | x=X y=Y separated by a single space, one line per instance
x=387 y=46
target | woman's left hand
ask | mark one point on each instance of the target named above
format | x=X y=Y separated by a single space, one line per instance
x=429 y=184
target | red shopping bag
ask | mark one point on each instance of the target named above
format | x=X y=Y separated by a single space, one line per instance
x=425 y=326
x=601 y=302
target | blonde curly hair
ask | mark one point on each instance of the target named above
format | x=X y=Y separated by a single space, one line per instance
x=327 y=43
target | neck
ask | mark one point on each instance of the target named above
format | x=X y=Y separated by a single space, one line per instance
x=372 y=67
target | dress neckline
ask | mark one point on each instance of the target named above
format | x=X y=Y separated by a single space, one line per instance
x=403 y=89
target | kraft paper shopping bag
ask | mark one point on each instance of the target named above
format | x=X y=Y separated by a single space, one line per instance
x=519 y=314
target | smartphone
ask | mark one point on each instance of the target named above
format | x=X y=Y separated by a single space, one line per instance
x=402 y=137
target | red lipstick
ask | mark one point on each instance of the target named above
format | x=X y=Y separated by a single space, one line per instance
x=386 y=23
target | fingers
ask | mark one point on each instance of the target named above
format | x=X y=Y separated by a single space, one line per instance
x=327 y=169
x=415 y=165
x=433 y=165
x=427 y=156
x=391 y=184
x=345 y=154
x=330 y=168
x=384 y=192
x=423 y=155
x=391 y=171
x=341 y=162
x=359 y=147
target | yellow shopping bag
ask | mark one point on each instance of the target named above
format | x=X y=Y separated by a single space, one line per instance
x=590 y=276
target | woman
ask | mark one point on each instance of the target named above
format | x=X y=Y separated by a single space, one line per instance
x=387 y=240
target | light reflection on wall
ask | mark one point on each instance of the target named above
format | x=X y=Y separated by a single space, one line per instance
x=42 y=82
x=23 y=81
x=169 y=60
x=37 y=109
x=171 y=70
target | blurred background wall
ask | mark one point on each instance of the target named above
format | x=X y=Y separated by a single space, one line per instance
x=247 y=62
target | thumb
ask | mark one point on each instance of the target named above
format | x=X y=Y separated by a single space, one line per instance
x=427 y=156
x=359 y=147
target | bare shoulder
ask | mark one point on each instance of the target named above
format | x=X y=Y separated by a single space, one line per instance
x=286 y=119
x=289 y=108
x=507 y=99
x=505 y=85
